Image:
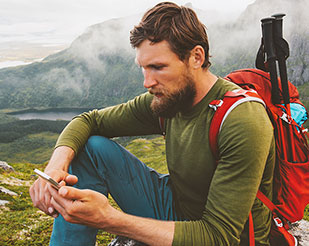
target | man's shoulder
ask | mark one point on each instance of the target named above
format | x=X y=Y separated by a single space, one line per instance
x=225 y=85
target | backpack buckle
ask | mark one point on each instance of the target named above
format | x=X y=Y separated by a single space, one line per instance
x=278 y=222
x=215 y=104
x=287 y=118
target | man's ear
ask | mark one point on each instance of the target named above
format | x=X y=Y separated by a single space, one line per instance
x=197 y=57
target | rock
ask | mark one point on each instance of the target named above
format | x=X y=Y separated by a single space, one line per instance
x=300 y=230
x=124 y=241
x=6 y=191
x=3 y=202
x=6 y=167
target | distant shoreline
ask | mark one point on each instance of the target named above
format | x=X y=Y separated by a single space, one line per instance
x=48 y=110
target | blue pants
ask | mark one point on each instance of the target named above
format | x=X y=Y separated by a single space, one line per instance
x=108 y=168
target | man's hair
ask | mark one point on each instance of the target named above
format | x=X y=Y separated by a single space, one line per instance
x=178 y=25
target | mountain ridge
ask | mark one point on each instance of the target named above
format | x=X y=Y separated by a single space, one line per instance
x=98 y=68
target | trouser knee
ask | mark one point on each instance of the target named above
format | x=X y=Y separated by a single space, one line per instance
x=101 y=161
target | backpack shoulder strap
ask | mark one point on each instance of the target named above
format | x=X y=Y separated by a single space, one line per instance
x=223 y=108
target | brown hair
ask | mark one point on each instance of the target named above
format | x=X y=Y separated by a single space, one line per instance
x=178 y=25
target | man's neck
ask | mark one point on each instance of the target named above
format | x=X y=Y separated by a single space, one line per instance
x=204 y=82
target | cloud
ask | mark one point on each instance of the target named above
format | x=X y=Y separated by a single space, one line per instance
x=67 y=80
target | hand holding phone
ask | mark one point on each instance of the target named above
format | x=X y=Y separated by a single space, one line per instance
x=47 y=178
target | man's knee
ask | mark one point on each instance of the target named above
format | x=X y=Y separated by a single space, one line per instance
x=99 y=144
x=103 y=149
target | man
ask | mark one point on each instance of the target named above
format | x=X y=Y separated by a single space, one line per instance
x=200 y=202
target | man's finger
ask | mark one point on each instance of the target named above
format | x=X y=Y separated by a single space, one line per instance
x=73 y=193
x=71 y=179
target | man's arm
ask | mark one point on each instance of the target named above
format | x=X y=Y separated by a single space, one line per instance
x=132 y=118
x=91 y=208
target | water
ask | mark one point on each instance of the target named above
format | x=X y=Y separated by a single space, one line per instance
x=48 y=115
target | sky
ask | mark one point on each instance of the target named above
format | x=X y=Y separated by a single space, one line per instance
x=58 y=22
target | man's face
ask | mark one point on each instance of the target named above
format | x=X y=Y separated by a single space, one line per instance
x=166 y=77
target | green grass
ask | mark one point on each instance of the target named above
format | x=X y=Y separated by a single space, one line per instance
x=21 y=223
x=150 y=151
x=33 y=148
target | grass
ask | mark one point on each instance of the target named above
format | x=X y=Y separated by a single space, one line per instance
x=34 y=148
x=21 y=223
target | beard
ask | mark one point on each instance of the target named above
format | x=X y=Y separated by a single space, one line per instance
x=169 y=104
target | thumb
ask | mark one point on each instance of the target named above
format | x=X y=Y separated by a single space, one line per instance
x=72 y=193
x=71 y=179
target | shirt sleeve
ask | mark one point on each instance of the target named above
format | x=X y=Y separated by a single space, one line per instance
x=127 y=119
x=245 y=143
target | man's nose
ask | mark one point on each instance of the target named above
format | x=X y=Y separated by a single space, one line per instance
x=149 y=80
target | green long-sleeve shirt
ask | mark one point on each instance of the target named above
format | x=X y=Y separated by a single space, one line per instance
x=216 y=200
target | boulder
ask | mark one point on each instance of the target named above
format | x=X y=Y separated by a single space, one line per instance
x=3 y=202
x=300 y=230
x=6 y=191
x=6 y=167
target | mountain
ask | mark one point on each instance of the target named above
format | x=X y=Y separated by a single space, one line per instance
x=98 y=69
x=235 y=44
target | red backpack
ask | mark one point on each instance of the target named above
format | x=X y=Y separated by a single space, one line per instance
x=291 y=176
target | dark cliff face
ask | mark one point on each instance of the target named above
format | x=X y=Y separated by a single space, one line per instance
x=298 y=62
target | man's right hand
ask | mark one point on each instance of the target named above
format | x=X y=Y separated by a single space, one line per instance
x=57 y=170
x=40 y=194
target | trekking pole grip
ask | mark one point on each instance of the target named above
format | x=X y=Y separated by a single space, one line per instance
x=282 y=53
x=268 y=39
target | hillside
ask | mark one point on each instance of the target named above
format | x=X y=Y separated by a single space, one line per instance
x=98 y=68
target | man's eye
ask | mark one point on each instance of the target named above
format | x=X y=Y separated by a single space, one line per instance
x=158 y=67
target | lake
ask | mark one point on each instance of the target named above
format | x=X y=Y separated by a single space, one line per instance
x=51 y=114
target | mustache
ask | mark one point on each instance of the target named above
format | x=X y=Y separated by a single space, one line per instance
x=154 y=91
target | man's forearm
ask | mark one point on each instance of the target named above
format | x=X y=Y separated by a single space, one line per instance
x=146 y=230
x=61 y=158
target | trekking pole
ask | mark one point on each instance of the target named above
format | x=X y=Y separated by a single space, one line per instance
x=268 y=41
x=282 y=53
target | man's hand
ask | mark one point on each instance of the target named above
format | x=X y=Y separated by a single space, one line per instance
x=85 y=207
x=91 y=208
x=57 y=170
x=40 y=193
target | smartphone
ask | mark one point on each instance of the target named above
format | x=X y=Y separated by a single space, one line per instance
x=47 y=178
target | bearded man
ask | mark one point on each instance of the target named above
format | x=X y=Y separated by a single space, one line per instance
x=202 y=201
